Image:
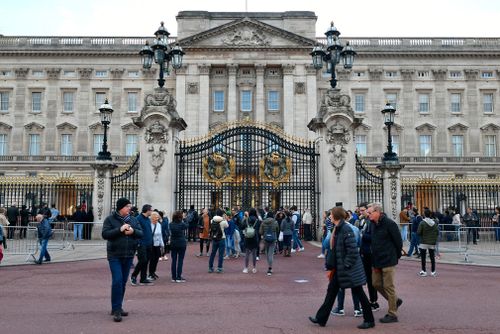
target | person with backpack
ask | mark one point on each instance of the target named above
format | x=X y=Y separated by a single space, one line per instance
x=217 y=236
x=297 y=221
x=414 y=241
x=251 y=240
x=269 y=230
x=192 y=221
x=287 y=229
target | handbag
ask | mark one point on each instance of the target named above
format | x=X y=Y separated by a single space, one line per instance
x=280 y=237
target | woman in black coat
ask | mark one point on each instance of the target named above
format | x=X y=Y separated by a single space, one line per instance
x=178 y=244
x=346 y=271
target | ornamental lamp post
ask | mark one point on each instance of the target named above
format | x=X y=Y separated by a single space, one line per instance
x=335 y=51
x=389 y=111
x=106 y=110
x=164 y=55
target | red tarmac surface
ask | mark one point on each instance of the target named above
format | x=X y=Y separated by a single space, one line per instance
x=74 y=297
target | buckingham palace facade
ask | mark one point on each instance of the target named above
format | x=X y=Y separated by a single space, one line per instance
x=254 y=66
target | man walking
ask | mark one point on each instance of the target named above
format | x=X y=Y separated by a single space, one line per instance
x=121 y=230
x=44 y=234
x=297 y=221
x=144 y=247
x=386 y=250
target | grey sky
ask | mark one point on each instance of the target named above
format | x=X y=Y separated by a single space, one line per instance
x=355 y=18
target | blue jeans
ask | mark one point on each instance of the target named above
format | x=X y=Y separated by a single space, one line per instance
x=497 y=233
x=341 y=298
x=296 y=240
x=77 y=231
x=44 y=253
x=120 y=268
x=414 y=243
x=229 y=245
x=404 y=232
x=217 y=246
x=177 y=257
x=326 y=242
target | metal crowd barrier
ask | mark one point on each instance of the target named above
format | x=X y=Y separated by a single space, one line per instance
x=487 y=241
x=23 y=241
x=90 y=234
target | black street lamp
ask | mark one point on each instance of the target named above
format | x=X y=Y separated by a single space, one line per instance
x=162 y=53
x=389 y=111
x=106 y=110
x=334 y=52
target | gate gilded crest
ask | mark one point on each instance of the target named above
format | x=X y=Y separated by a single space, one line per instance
x=219 y=168
x=275 y=168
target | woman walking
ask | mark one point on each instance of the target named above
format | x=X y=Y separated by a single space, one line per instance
x=286 y=227
x=157 y=244
x=428 y=232
x=251 y=241
x=269 y=231
x=178 y=245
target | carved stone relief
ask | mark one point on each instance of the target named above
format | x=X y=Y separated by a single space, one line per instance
x=246 y=36
x=85 y=73
x=300 y=88
x=192 y=88
x=338 y=136
x=334 y=102
x=160 y=100
x=53 y=73
x=156 y=137
x=21 y=73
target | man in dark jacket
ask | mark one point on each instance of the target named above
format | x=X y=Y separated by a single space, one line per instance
x=12 y=217
x=121 y=231
x=386 y=247
x=44 y=233
x=346 y=271
x=144 y=248
x=366 y=254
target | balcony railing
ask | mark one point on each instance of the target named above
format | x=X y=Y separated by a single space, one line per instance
x=58 y=158
x=435 y=160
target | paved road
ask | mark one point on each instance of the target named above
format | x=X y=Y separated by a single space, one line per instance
x=73 y=297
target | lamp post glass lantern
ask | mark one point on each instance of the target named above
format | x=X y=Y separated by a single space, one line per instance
x=162 y=53
x=388 y=112
x=105 y=111
x=335 y=52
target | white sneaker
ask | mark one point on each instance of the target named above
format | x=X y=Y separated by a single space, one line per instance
x=422 y=273
x=245 y=271
x=434 y=274
x=358 y=313
x=293 y=251
x=301 y=249
x=254 y=270
x=321 y=256
x=257 y=258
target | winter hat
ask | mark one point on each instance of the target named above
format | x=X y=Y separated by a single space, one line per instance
x=121 y=203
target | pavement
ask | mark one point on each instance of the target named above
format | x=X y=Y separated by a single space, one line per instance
x=72 y=296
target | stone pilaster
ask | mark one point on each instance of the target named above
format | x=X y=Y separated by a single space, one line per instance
x=18 y=105
x=180 y=90
x=101 y=201
x=391 y=174
x=204 y=93
x=84 y=99
x=311 y=93
x=232 y=101
x=260 y=100
x=288 y=98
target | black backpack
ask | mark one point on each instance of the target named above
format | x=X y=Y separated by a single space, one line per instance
x=215 y=230
x=269 y=235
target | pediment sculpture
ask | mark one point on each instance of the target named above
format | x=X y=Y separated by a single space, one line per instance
x=246 y=36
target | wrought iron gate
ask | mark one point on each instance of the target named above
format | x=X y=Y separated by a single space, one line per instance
x=249 y=165
x=125 y=182
x=369 y=186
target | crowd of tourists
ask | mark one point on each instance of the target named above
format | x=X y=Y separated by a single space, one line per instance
x=222 y=233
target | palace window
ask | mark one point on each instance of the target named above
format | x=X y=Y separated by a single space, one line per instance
x=98 y=140
x=455 y=74
x=487 y=75
x=101 y=74
x=3 y=144
x=455 y=105
x=132 y=101
x=218 y=104
x=457 y=145
x=360 y=144
x=100 y=97
x=131 y=145
x=425 y=143
x=34 y=144
x=66 y=145
x=36 y=102
x=488 y=103
x=4 y=101
x=392 y=98
x=68 y=98
x=359 y=103
x=273 y=100
x=490 y=145
x=133 y=74
x=423 y=103
x=246 y=100
x=395 y=143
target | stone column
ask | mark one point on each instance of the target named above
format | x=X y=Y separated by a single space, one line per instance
x=84 y=99
x=232 y=100
x=18 y=100
x=180 y=90
x=288 y=99
x=51 y=94
x=204 y=106
x=311 y=93
x=160 y=125
x=334 y=126
x=260 y=100
x=392 y=189
x=101 y=201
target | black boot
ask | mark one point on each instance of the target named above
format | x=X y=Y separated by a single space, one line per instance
x=117 y=316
